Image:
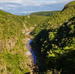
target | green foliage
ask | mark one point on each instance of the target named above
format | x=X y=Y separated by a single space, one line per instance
x=70 y=4
x=13 y=63
x=34 y=20
x=53 y=44
x=46 y=13
x=54 y=41
x=58 y=19
x=11 y=40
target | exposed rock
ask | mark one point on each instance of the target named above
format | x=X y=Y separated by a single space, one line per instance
x=10 y=43
x=2 y=44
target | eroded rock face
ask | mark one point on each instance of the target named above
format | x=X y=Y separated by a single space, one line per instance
x=2 y=44
x=2 y=67
x=28 y=53
x=10 y=43
x=29 y=62
x=7 y=44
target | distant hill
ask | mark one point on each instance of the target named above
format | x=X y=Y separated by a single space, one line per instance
x=71 y=4
x=46 y=13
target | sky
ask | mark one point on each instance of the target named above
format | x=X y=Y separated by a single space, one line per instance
x=20 y=7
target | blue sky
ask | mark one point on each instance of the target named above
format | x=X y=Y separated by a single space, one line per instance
x=20 y=7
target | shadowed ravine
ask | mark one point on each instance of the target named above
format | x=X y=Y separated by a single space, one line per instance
x=63 y=62
x=33 y=56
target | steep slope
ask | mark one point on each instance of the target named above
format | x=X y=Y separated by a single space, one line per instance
x=12 y=58
x=71 y=4
x=33 y=20
x=54 y=41
x=57 y=20
x=13 y=40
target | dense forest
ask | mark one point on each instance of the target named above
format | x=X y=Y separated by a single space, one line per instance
x=53 y=41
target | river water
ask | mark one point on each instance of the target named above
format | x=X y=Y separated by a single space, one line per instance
x=34 y=58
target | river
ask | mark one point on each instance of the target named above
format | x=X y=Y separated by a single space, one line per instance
x=34 y=58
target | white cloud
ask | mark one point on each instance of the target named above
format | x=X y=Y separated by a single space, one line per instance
x=15 y=1
x=1 y=8
x=35 y=2
x=28 y=6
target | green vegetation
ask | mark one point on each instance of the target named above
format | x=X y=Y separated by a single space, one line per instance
x=71 y=4
x=53 y=39
x=34 y=20
x=58 y=19
x=46 y=13
x=12 y=63
x=12 y=42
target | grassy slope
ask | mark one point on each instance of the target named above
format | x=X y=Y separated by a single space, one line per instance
x=12 y=47
x=46 y=13
x=33 y=20
x=58 y=19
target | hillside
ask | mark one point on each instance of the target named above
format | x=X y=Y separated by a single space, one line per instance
x=54 y=40
x=71 y=4
x=13 y=40
x=11 y=45
x=46 y=13
x=33 y=20
x=57 y=20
